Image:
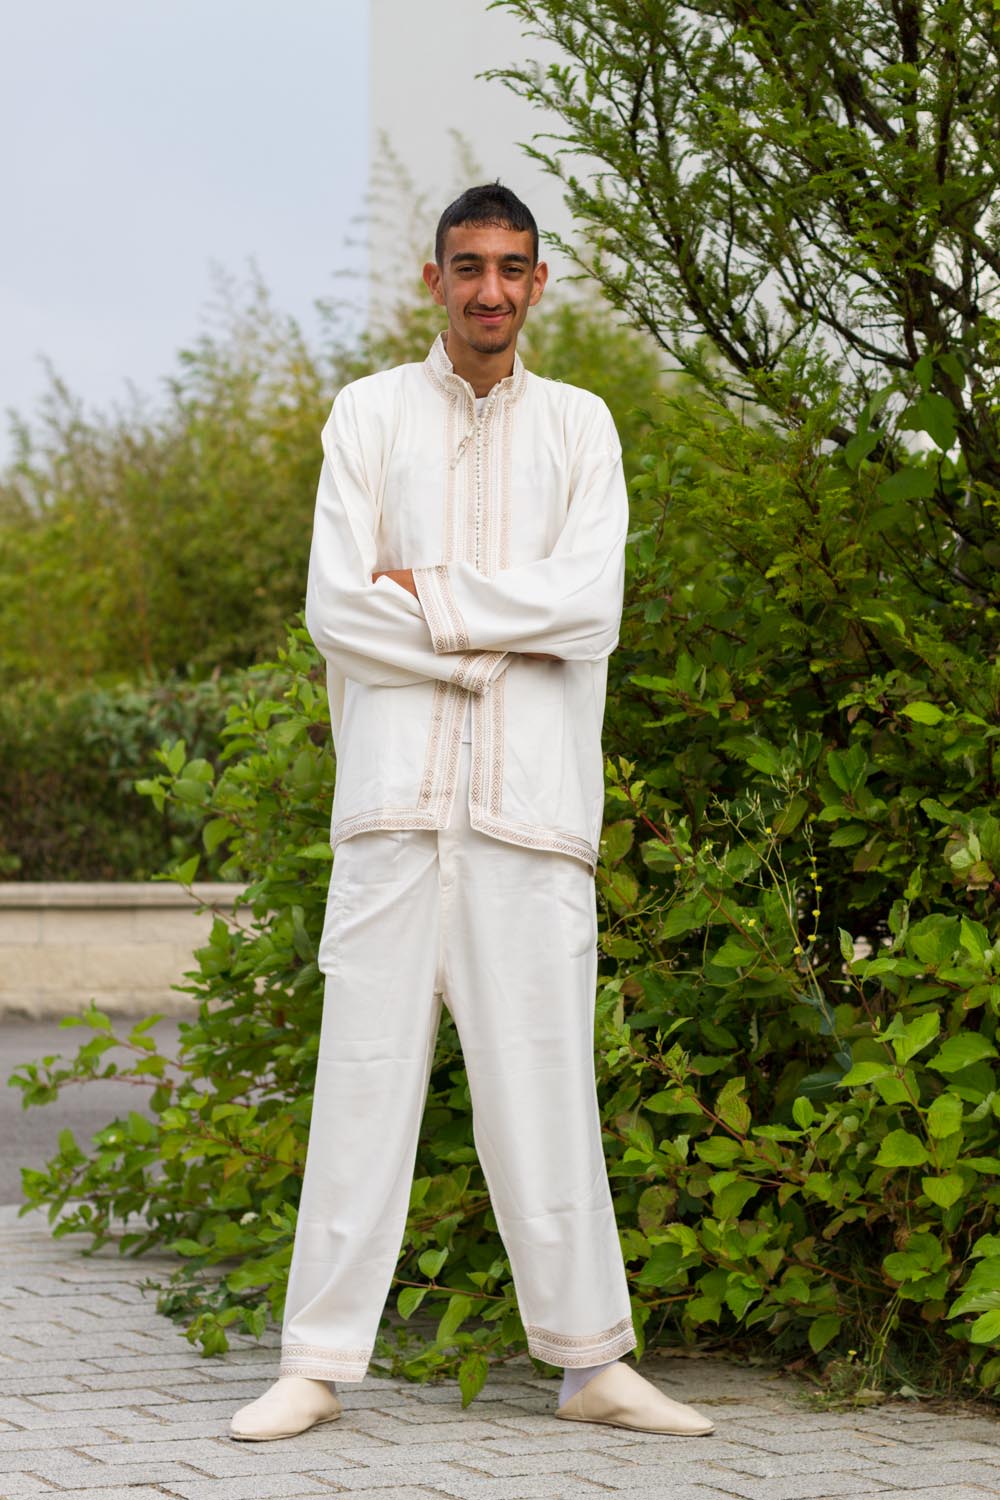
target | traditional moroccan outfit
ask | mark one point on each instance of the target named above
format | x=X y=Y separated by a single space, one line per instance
x=473 y=883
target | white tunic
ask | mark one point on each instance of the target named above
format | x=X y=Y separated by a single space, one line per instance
x=514 y=523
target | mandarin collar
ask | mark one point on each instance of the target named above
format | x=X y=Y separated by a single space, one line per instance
x=441 y=373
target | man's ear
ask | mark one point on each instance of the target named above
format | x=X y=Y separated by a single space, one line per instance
x=434 y=281
x=539 y=277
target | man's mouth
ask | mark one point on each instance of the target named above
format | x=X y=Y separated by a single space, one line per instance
x=491 y=319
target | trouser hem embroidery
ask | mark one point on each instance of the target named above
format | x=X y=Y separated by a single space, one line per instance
x=573 y=1351
x=316 y=1363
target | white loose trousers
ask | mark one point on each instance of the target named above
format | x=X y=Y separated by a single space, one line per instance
x=506 y=936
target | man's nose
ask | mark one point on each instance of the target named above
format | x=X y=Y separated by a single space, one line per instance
x=491 y=289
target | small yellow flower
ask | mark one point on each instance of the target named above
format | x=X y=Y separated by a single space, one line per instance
x=751 y=921
x=796 y=950
x=811 y=938
x=815 y=911
x=818 y=889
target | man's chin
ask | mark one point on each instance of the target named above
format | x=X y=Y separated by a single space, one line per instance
x=487 y=343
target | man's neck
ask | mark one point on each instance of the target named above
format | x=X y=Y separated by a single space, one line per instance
x=482 y=371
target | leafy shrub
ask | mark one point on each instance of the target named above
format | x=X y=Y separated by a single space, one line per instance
x=799 y=1139
x=68 y=808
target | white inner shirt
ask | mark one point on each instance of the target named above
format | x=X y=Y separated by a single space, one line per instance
x=467 y=725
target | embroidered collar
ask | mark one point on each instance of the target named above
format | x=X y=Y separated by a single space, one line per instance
x=441 y=373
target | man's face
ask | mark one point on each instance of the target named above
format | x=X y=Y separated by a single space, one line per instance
x=487 y=282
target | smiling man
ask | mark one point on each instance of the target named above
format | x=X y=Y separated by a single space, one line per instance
x=465 y=588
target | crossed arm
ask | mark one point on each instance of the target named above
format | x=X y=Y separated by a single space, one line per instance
x=393 y=627
x=404 y=577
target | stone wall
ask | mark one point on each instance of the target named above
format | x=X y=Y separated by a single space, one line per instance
x=121 y=945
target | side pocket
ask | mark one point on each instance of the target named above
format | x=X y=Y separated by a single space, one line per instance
x=328 y=953
x=576 y=905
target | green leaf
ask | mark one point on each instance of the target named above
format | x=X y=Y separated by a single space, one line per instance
x=863 y=1073
x=935 y=415
x=961 y=1052
x=901 y=1149
x=431 y=1262
x=944 y=1117
x=455 y=1314
x=986 y=1330
x=321 y=852
x=184 y=874
x=616 y=840
x=910 y=1037
x=187 y=1247
x=823 y=1329
x=975 y=938
x=923 y=712
x=790 y=816
x=410 y=1299
x=731 y=1107
x=944 y=1191
x=213 y=833
x=803 y=1112
x=472 y=1373
x=911 y=483
x=173 y=756
x=734 y=954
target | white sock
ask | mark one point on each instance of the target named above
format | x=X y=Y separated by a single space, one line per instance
x=575 y=1379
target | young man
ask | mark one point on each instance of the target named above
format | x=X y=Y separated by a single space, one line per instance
x=465 y=587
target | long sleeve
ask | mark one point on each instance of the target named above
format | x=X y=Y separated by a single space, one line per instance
x=569 y=603
x=376 y=633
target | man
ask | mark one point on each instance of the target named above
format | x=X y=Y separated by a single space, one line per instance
x=465 y=587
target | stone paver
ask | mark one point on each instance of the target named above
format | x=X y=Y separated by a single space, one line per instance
x=102 y=1399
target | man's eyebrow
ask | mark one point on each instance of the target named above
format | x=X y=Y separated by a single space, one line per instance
x=472 y=256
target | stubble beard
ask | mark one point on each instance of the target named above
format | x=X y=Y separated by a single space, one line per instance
x=484 y=342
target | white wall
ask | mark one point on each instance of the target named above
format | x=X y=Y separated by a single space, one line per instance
x=424 y=58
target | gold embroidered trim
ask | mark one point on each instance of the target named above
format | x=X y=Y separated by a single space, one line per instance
x=487 y=489
x=446 y=625
x=448 y=520
x=475 y=669
x=574 y=1350
x=496 y=749
x=453 y=742
x=391 y=818
x=441 y=373
x=532 y=837
x=478 y=750
x=323 y=1364
x=433 y=740
x=506 y=449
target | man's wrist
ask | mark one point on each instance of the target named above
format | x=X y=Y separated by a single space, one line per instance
x=402 y=576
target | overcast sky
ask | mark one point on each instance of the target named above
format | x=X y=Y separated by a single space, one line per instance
x=145 y=140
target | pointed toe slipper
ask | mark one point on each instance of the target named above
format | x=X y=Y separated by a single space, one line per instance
x=621 y=1397
x=291 y=1405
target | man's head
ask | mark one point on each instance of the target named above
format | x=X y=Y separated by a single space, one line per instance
x=486 y=270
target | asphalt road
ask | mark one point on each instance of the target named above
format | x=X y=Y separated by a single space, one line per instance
x=30 y=1136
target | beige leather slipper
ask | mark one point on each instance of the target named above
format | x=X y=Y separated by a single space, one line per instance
x=621 y=1397
x=290 y=1406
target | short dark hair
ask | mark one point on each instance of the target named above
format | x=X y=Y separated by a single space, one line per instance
x=491 y=204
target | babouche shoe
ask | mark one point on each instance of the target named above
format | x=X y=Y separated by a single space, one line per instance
x=621 y=1397
x=291 y=1405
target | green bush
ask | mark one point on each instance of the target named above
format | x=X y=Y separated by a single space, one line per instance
x=800 y=1140
x=68 y=808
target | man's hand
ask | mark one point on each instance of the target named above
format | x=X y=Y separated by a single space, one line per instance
x=402 y=576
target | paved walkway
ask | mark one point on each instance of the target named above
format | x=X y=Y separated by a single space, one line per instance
x=102 y=1397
